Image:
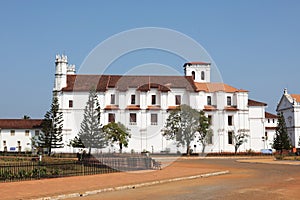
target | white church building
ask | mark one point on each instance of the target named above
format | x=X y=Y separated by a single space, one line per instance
x=289 y=106
x=142 y=104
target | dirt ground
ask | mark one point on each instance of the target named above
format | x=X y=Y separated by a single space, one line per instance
x=245 y=181
x=81 y=184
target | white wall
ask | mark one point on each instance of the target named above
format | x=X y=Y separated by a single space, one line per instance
x=12 y=141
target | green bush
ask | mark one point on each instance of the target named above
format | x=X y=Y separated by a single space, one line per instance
x=6 y=175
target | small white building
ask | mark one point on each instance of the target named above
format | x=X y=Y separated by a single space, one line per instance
x=16 y=134
x=142 y=104
x=271 y=121
x=289 y=106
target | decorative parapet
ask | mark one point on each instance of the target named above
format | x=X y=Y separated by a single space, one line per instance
x=61 y=58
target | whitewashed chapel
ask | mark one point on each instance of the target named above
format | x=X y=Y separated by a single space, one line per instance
x=289 y=106
x=142 y=104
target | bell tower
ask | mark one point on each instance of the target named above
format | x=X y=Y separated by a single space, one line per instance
x=200 y=71
x=61 y=65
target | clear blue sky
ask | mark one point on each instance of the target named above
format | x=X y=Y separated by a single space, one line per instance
x=255 y=44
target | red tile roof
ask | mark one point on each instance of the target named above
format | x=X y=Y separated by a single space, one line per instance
x=270 y=115
x=209 y=108
x=142 y=83
x=133 y=107
x=296 y=96
x=255 y=103
x=122 y=83
x=153 y=107
x=146 y=87
x=173 y=107
x=111 y=107
x=231 y=108
x=214 y=87
x=20 y=123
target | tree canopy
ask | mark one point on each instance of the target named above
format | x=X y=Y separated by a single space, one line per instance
x=91 y=133
x=26 y=117
x=204 y=131
x=117 y=133
x=281 y=139
x=76 y=143
x=52 y=124
x=182 y=126
x=239 y=139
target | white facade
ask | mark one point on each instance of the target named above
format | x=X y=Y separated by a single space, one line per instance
x=142 y=104
x=271 y=121
x=289 y=106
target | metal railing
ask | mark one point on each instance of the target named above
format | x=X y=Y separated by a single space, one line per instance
x=30 y=170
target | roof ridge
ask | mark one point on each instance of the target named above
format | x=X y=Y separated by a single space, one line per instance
x=252 y=102
x=270 y=115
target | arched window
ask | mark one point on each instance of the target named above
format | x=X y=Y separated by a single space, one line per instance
x=202 y=76
x=193 y=75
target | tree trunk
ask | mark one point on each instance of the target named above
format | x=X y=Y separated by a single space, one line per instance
x=49 y=150
x=203 y=149
x=121 y=147
x=235 y=149
x=188 y=149
x=90 y=150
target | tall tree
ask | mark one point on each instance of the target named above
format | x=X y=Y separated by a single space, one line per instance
x=76 y=143
x=181 y=126
x=205 y=133
x=52 y=124
x=117 y=133
x=239 y=139
x=91 y=133
x=281 y=139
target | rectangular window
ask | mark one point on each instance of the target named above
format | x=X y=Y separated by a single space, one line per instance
x=12 y=133
x=230 y=120
x=19 y=146
x=70 y=103
x=210 y=139
x=153 y=99
x=209 y=100
x=111 y=117
x=230 y=137
x=112 y=99
x=209 y=117
x=153 y=119
x=4 y=146
x=26 y=132
x=273 y=120
x=133 y=99
x=268 y=120
x=132 y=119
x=228 y=101
x=37 y=132
x=178 y=99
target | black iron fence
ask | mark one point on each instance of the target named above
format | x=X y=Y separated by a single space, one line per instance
x=29 y=170
x=121 y=162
